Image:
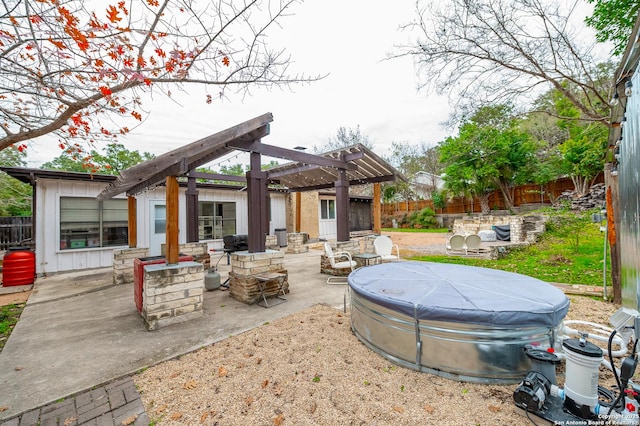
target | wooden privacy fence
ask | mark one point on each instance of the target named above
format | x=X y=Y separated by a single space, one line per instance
x=522 y=194
x=15 y=231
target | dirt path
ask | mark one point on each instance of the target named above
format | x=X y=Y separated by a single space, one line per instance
x=13 y=298
x=419 y=242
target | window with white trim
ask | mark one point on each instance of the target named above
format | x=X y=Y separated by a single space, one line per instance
x=216 y=219
x=89 y=223
x=327 y=209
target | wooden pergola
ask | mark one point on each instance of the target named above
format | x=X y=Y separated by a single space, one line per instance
x=304 y=172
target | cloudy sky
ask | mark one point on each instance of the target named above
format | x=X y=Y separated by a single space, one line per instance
x=347 y=40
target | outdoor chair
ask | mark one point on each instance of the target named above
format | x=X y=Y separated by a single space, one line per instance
x=337 y=263
x=384 y=247
x=472 y=244
x=455 y=245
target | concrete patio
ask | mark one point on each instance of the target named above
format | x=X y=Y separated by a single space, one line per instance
x=78 y=330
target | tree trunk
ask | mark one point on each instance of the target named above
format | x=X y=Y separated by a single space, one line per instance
x=484 y=203
x=580 y=185
x=507 y=196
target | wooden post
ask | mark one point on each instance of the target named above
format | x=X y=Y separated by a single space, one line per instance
x=172 y=248
x=298 y=212
x=377 y=209
x=132 y=221
x=342 y=206
x=192 y=210
x=258 y=207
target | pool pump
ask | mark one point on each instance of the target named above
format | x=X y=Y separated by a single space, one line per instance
x=581 y=400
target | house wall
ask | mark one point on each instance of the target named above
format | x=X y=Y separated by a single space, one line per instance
x=50 y=259
x=629 y=182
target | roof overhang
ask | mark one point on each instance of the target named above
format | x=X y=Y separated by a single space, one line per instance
x=362 y=166
x=626 y=69
x=186 y=158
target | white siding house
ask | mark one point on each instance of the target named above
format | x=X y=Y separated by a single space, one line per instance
x=75 y=231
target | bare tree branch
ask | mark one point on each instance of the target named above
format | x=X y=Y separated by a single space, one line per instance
x=72 y=71
x=506 y=52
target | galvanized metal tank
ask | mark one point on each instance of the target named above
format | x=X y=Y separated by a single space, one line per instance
x=460 y=322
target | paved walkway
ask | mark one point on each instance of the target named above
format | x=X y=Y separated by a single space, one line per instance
x=70 y=358
x=116 y=403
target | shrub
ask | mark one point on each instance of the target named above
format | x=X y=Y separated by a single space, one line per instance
x=425 y=218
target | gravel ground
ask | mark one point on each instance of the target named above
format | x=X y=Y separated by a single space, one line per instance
x=309 y=369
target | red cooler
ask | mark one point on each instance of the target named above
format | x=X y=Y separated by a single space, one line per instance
x=18 y=267
x=138 y=274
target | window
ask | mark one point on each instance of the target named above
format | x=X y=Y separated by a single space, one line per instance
x=89 y=223
x=216 y=219
x=327 y=209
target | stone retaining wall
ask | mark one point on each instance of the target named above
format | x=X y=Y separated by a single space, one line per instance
x=522 y=228
x=172 y=293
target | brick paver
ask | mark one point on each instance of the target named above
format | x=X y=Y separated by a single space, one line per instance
x=117 y=403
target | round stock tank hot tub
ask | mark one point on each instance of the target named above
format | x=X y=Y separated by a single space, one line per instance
x=461 y=322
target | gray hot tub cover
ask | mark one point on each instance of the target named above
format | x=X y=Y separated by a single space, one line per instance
x=464 y=294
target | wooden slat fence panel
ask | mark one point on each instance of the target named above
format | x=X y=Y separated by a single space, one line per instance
x=15 y=231
x=523 y=194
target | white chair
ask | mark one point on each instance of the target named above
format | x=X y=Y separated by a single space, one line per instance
x=472 y=244
x=338 y=264
x=384 y=247
x=455 y=245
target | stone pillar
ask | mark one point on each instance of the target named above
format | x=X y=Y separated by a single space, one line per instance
x=297 y=242
x=517 y=229
x=271 y=242
x=123 y=264
x=199 y=251
x=368 y=244
x=242 y=285
x=172 y=293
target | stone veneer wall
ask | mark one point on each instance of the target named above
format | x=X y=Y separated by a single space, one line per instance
x=271 y=242
x=172 y=293
x=123 y=264
x=297 y=242
x=352 y=246
x=244 y=265
x=367 y=244
x=199 y=251
x=522 y=228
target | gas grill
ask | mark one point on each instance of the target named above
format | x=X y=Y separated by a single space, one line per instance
x=233 y=243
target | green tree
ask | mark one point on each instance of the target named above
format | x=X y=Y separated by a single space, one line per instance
x=583 y=150
x=114 y=159
x=613 y=21
x=117 y=158
x=15 y=196
x=410 y=159
x=490 y=153
x=68 y=161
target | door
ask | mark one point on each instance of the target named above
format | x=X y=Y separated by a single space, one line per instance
x=158 y=224
x=327 y=225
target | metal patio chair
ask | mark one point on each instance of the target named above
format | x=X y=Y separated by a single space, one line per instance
x=384 y=247
x=336 y=263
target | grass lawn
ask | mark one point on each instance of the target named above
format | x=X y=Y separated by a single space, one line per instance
x=570 y=252
x=9 y=315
